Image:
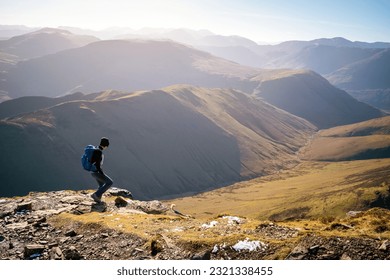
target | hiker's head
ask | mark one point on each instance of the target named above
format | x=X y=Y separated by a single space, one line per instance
x=104 y=143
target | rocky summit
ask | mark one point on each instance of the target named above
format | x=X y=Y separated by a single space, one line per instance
x=68 y=225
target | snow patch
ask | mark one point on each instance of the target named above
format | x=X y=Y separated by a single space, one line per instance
x=209 y=225
x=232 y=220
x=249 y=245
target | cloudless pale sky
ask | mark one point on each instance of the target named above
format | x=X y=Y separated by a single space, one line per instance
x=259 y=20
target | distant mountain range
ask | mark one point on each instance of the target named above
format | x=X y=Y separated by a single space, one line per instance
x=122 y=65
x=131 y=65
x=42 y=42
x=328 y=57
x=336 y=58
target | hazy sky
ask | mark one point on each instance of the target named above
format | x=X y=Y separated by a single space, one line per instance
x=259 y=20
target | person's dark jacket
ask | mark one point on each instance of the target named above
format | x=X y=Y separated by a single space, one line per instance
x=96 y=159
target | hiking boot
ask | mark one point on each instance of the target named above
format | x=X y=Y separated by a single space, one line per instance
x=96 y=198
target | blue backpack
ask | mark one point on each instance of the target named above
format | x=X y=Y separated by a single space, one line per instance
x=86 y=158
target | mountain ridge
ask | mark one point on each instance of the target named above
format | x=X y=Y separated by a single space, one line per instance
x=152 y=128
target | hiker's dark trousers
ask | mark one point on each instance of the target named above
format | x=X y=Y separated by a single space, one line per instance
x=104 y=182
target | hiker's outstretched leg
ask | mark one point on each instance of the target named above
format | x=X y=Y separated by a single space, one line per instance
x=104 y=182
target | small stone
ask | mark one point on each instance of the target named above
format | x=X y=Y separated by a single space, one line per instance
x=120 y=202
x=315 y=247
x=4 y=214
x=384 y=246
x=70 y=233
x=53 y=244
x=56 y=254
x=72 y=254
x=27 y=206
x=32 y=249
x=78 y=237
x=120 y=192
x=19 y=226
x=298 y=253
x=156 y=247
x=99 y=207
x=345 y=257
x=204 y=255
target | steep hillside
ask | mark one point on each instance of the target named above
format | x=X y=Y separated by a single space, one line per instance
x=165 y=142
x=369 y=139
x=370 y=73
x=42 y=42
x=367 y=79
x=7 y=61
x=310 y=96
x=124 y=65
x=379 y=98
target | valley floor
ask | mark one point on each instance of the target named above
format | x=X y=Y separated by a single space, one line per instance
x=310 y=190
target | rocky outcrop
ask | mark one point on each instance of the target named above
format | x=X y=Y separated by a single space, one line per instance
x=340 y=248
x=68 y=225
x=25 y=232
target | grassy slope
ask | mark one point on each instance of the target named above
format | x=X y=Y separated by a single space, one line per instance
x=310 y=190
x=364 y=140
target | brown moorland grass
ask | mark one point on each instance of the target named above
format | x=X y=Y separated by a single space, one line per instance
x=310 y=190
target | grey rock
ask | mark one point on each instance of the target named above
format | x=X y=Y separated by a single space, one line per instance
x=52 y=244
x=149 y=207
x=156 y=247
x=19 y=226
x=26 y=206
x=298 y=253
x=70 y=233
x=5 y=213
x=120 y=192
x=204 y=255
x=353 y=213
x=99 y=207
x=72 y=253
x=120 y=202
x=56 y=254
x=32 y=249
x=74 y=199
x=345 y=257
x=385 y=245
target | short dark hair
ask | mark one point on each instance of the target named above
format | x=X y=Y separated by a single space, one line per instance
x=104 y=142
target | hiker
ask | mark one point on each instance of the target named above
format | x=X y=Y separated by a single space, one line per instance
x=94 y=160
